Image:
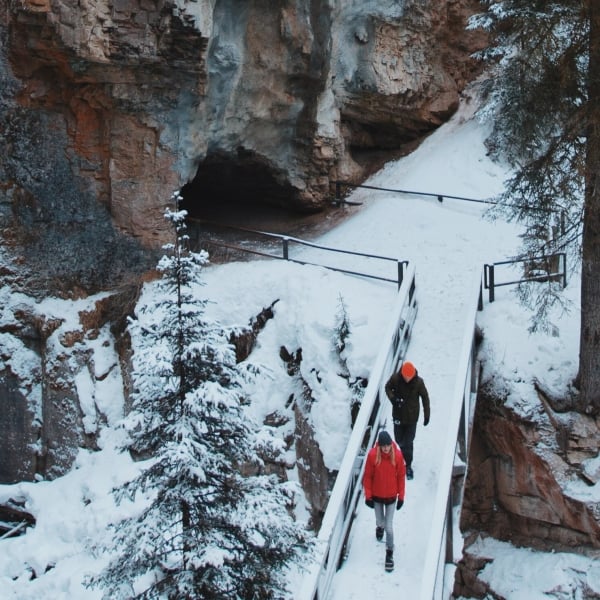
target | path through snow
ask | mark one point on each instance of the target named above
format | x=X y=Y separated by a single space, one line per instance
x=448 y=243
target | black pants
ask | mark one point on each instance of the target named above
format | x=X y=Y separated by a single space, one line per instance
x=405 y=435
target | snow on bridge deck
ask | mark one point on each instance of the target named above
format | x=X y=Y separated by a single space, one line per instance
x=434 y=348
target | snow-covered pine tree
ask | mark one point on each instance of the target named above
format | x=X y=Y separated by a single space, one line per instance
x=341 y=328
x=206 y=530
x=544 y=91
x=341 y=331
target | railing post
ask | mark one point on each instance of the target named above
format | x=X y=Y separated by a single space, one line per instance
x=400 y=273
x=285 y=243
x=491 y=282
x=480 y=299
x=449 y=550
x=461 y=437
x=564 y=266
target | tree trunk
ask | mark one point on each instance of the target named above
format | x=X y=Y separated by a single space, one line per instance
x=589 y=349
x=185 y=532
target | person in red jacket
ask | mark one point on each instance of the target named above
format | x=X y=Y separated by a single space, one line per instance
x=383 y=483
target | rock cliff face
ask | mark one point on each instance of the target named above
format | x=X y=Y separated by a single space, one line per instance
x=108 y=106
x=57 y=360
x=522 y=481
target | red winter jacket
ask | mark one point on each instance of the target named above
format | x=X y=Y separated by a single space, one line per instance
x=384 y=482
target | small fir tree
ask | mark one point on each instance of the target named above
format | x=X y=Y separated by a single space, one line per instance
x=206 y=531
x=341 y=331
x=341 y=328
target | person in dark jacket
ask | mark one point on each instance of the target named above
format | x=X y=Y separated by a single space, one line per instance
x=383 y=484
x=404 y=389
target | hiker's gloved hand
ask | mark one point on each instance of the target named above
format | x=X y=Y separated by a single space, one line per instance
x=369 y=502
x=399 y=504
x=426 y=421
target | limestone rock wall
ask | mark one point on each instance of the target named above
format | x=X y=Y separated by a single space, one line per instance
x=109 y=106
x=19 y=430
x=63 y=376
x=517 y=477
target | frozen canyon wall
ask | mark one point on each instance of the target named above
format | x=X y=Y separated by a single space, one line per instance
x=108 y=106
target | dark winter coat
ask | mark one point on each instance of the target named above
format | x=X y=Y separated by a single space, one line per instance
x=384 y=482
x=404 y=397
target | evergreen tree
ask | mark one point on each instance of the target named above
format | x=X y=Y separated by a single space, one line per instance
x=342 y=332
x=206 y=530
x=544 y=97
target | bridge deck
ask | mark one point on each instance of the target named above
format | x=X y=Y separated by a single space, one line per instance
x=434 y=347
x=446 y=267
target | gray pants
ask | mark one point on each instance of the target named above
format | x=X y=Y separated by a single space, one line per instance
x=384 y=517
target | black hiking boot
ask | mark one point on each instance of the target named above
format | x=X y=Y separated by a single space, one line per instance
x=409 y=473
x=389 y=560
x=379 y=533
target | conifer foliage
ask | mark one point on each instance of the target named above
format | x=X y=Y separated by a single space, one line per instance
x=536 y=96
x=544 y=94
x=341 y=336
x=206 y=531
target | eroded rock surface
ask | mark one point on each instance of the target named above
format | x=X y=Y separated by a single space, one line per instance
x=109 y=107
x=63 y=376
x=526 y=483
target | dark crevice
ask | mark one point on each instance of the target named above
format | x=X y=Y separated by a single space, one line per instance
x=243 y=190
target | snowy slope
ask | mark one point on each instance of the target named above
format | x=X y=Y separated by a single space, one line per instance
x=448 y=243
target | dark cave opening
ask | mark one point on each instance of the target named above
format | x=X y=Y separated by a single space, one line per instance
x=245 y=191
x=226 y=187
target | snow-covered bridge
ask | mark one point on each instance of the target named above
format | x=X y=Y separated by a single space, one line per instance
x=351 y=560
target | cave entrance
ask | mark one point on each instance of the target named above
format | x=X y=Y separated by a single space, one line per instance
x=244 y=191
x=241 y=191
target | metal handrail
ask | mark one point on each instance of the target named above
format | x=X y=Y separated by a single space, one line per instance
x=440 y=197
x=285 y=255
x=489 y=272
x=332 y=540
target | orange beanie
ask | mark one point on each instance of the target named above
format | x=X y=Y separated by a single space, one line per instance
x=408 y=371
